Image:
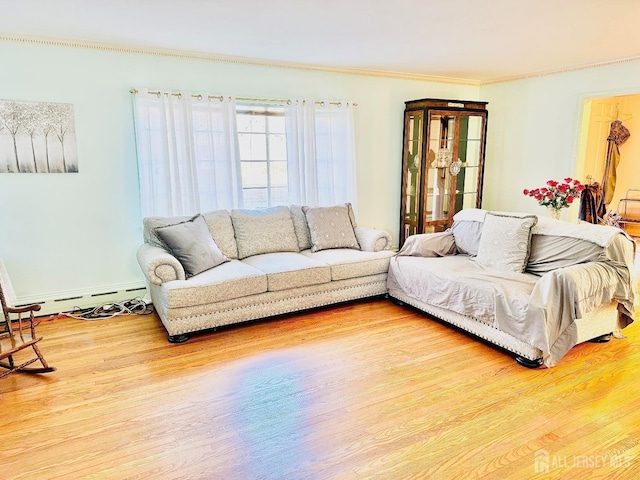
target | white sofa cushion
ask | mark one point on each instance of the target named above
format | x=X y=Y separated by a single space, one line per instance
x=462 y=285
x=348 y=263
x=264 y=231
x=227 y=281
x=289 y=270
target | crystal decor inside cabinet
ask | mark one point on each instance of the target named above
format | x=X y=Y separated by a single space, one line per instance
x=443 y=162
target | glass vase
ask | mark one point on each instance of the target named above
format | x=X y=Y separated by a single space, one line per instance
x=554 y=212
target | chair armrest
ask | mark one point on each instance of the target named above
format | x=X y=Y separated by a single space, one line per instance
x=372 y=239
x=25 y=309
x=29 y=322
x=158 y=265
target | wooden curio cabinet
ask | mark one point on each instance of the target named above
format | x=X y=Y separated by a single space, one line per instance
x=442 y=162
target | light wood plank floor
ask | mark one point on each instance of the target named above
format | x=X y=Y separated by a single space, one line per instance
x=369 y=390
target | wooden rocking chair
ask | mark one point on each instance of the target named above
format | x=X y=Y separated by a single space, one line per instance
x=17 y=334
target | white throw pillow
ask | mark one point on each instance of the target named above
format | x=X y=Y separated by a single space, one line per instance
x=267 y=230
x=506 y=241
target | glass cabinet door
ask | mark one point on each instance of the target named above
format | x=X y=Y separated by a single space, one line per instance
x=439 y=179
x=470 y=152
x=412 y=162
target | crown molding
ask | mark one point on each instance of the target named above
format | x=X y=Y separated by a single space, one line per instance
x=217 y=58
x=557 y=71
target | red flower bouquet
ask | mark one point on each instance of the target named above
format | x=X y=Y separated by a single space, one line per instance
x=557 y=195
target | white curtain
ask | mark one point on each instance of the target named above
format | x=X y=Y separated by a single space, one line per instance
x=187 y=153
x=302 y=173
x=321 y=153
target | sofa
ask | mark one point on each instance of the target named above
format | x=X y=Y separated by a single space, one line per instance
x=226 y=267
x=533 y=286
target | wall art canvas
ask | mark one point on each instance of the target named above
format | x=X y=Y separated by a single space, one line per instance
x=37 y=137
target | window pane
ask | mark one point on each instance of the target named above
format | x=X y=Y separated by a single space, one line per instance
x=251 y=123
x=252 y=146
x=278 y=172
x=254 y=174
x=277 y=147
x=276 y=124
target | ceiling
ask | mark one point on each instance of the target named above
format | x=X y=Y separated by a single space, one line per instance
x=471 y=40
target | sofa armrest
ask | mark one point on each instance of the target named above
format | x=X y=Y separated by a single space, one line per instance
x=372 y=239
x=587 y=286
x=158 y=265
x=438 y=244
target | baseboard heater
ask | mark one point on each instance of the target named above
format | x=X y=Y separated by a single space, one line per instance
x=69 y=302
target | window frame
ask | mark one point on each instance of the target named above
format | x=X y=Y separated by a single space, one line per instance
x=265 y=110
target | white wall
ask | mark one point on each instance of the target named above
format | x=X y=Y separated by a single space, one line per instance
x=534 y=127
x=68 y=234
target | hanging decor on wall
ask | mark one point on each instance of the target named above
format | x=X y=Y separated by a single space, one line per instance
x=37 y=137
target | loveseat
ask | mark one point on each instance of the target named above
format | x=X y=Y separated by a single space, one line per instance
x=533 y=286
x=227 y=267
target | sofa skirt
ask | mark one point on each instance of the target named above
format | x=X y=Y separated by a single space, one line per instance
x=601 y=321
x=185 y=320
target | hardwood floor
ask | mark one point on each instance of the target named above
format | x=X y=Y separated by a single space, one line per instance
x=368 y=390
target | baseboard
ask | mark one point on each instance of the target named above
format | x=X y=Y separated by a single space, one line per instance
x=70 y=300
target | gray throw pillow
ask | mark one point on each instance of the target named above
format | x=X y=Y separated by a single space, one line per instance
x=267 y=230
x=331 y=227
x=506 y=241
x=191 y=243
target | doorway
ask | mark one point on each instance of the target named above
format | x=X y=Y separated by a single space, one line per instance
x=597 y=115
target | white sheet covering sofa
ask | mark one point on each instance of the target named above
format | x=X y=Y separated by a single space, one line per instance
x=226 y=267
x=533 y=286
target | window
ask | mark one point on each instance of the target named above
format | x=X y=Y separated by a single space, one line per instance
x=263 y=155
x=201 y=152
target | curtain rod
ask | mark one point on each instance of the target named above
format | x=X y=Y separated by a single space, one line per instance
x=242 y=99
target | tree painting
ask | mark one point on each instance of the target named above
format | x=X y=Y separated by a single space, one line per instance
x=37 y=137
